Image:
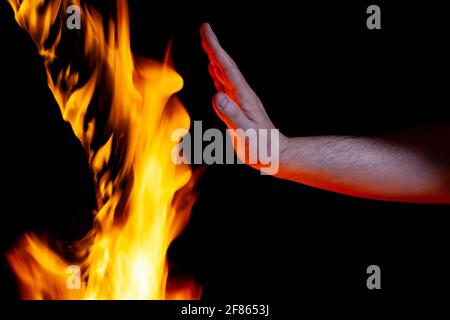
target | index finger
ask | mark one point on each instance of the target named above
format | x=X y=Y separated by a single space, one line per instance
x=220 y=58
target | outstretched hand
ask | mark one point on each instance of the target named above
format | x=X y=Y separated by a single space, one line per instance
x=235 y=103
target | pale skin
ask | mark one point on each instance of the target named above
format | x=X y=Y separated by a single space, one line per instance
x=406 y=166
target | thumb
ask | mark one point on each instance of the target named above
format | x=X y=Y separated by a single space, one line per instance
x=229 y=112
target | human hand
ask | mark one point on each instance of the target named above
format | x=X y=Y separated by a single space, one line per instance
x=236 y=103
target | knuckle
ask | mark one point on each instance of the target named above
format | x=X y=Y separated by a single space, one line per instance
x=231 y=109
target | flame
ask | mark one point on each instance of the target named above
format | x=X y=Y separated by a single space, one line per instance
x=123 y=111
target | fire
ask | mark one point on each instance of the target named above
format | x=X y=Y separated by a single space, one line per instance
x=123 y=113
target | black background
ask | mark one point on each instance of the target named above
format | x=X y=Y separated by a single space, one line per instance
x=253 y=238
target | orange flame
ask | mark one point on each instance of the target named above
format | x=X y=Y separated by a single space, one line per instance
x=144 y=199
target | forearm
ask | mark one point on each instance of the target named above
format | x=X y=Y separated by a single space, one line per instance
x=411 y=166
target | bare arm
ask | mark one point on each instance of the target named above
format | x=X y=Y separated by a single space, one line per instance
x=410 y=166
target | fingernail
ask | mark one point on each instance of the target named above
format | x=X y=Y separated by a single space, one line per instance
x=220 y=100
x=211 y=31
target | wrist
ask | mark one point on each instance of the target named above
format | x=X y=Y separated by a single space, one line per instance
x=285 y=143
